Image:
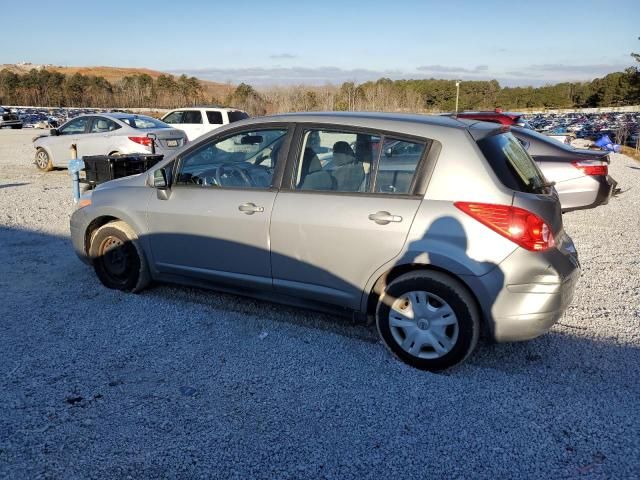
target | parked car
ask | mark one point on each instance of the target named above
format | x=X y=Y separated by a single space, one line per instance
x=197 y=121
x=457 y=232
x=106 y=134
x=581 y=176
x=497 y=116
x=9 y=119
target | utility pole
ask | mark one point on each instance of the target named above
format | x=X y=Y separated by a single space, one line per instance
x=457 y=94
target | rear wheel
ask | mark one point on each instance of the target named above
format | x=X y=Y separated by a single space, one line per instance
x=16 y=127
x=43 y=161
x=428 y=320
x=118 y=259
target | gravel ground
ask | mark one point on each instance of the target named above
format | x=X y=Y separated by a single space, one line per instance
x=180 y=382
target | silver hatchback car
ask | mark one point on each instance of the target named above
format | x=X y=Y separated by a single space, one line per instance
x=437 y=228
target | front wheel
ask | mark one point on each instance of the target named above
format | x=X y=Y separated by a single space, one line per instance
x=428 y=320
x=118 y=259
x=43 y=161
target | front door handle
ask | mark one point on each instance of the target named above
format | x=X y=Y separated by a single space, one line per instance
x=250 y=208
x=383 y=218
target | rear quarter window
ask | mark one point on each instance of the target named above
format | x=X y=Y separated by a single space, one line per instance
x=512 y=164
x=236 y=115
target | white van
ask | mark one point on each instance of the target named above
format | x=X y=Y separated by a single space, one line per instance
x=196 y=121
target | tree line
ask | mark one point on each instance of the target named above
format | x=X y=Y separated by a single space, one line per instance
x=50 y=88
x=54 y=89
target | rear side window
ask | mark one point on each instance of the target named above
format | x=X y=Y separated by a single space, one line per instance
x=142 y=122
x=215 y=118
x=357 y=162
x=236 y=115
x=102 y=125
x=511 y=163
x=397 y=166
x=192 y=116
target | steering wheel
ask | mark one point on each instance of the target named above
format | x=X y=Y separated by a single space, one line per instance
x=231 y=170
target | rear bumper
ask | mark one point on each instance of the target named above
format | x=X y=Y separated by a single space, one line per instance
x=585 y=192
x=10 y=123
x=528 y=292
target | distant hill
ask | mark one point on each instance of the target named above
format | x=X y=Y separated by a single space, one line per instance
x=114 y=74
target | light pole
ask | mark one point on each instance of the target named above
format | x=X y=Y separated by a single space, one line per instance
x=457 y=94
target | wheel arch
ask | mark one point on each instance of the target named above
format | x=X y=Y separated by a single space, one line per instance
x=397 y=270
x=94 y=225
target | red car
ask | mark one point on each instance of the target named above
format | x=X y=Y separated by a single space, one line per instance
x=497 y=116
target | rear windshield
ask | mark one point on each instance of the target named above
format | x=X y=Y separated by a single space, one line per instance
x=512 y=164
x=236 y=115
x=142 y=121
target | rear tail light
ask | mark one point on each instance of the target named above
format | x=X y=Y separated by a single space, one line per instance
x=522 y=227
x=591 y=167
x=146 y=141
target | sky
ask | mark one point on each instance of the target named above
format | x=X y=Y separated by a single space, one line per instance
x=277 y=42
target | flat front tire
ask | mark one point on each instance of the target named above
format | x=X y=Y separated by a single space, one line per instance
x=118 y=258
x=428 y=320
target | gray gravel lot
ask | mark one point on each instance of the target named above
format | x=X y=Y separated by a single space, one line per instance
x=185 y=383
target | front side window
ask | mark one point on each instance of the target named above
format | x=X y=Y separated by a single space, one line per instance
x=174 y=117
x=336 y=161
x=214 y=117
x=75 y=126
x=397 y=166
x=245 y=160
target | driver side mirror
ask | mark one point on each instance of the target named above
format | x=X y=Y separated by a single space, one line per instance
x=54 y=132
x=160 y=179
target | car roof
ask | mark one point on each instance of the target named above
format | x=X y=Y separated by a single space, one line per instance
x=222 y=109
x=490 y=114
x=396 y=118
x=115 y=115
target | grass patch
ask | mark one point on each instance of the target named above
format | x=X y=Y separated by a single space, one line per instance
x=631 y=152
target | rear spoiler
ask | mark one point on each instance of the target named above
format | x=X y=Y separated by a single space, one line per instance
x=482 y=130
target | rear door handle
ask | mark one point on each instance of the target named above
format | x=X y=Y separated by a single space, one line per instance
x=250 y=208
x=383 y=218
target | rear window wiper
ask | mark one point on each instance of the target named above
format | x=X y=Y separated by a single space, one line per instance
x=545 y=185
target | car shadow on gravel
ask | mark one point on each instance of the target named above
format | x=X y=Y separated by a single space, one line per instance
x=11 y=185
x=30 y=263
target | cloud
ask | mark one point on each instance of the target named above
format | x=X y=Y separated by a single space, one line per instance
x=451 y=70
x=539 y=74
x=292 y=75
x=526 y=75
x=283 y=56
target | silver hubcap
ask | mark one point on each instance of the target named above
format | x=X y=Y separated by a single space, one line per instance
x=42 y=159
x=423 y=324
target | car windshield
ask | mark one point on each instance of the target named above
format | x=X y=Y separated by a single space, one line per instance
x=142 y=122
x=511 y=163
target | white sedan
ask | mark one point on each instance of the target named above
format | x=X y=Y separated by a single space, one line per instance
x=106 y=134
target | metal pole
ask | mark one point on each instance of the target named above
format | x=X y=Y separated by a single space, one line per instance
x=75 y=175
x=457 y=94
